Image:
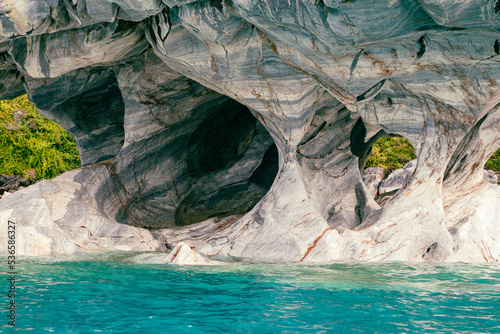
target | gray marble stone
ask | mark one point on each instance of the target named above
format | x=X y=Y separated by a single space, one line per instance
x=372 y=177
x=60 y=216
x=490 y=176
x=240 y=127
x=398 y=178
x=12 y=183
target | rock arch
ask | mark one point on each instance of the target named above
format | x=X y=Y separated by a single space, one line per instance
x=323 y=80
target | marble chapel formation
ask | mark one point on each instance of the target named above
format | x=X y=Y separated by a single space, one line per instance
x=241 y=127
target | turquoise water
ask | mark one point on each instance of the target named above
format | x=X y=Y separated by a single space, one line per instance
x=110 y=295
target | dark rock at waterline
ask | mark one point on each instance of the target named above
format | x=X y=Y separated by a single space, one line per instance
x=12 y=183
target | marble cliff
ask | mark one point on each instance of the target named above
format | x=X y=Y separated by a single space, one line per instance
x=241 y=127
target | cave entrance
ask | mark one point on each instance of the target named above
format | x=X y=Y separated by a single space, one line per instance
x=232 y=161
x=221 y=140
x=389 y=166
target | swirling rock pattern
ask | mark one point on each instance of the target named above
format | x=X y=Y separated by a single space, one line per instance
x=240 y=127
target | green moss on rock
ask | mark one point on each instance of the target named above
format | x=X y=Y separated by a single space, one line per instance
x=391 y=153
x=32 y=146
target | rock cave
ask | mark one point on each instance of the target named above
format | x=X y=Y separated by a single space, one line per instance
x=239 y=127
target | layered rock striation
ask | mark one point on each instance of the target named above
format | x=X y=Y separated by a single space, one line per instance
x=242 y=127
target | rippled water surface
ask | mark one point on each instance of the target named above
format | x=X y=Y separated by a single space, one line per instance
x=110 y=295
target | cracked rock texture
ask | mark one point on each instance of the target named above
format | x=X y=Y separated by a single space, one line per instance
x=241 y=127
x=398 y=178
x=372 y=177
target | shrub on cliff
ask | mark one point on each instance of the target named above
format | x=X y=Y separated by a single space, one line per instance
x=394 y=152
x=391 y=153
x=32 y=146
x=494 y=162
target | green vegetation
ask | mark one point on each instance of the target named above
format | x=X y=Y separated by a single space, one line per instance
x=32 y=146
x=494 y=162
x=394 y=152
x=391 y=153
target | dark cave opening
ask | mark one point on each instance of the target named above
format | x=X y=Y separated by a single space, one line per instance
x=230 y=172
x=221 y=139
x=92 y=110
x=265 y=174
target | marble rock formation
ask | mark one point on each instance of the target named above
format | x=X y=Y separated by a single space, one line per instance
x=241 y=127
x=490 y=176
x=398 y=178
x=372 y=177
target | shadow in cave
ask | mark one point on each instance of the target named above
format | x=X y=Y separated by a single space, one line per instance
x=233 y=161
x=207 y=161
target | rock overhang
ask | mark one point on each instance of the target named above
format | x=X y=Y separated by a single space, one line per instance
x=175 y=105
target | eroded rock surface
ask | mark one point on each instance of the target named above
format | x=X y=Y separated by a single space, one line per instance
x=60 y=216
x=189 y=112
x=181 y=254
x=490 y=176
x=372 y=177
x=398 y=178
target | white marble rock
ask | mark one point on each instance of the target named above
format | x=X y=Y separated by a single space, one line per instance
x=398 y=178
x=372 y=177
